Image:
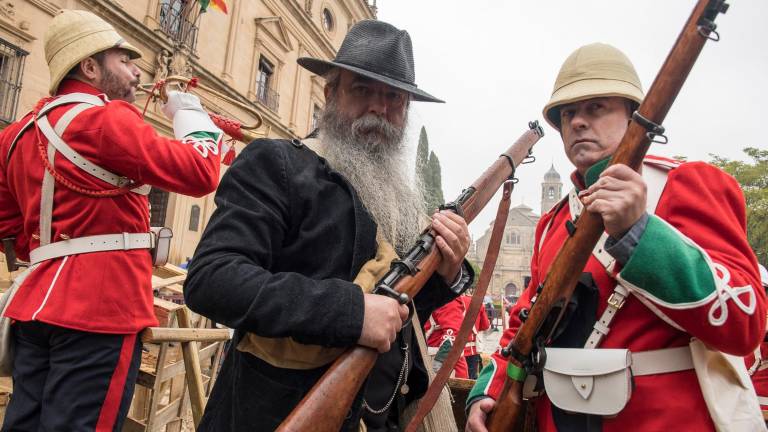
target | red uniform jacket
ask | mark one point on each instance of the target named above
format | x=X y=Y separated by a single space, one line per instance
x=481 y=324
x=103 y=292
x=447 y=321
x=694 y=266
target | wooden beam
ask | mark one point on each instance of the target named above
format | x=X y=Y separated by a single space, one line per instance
x=160 y=283
x=165 y=334
x=194 y=374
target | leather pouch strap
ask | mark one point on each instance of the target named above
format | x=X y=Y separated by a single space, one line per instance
x=97 y=243
x=470 y=317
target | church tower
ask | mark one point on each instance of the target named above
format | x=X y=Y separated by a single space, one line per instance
x=551 y=189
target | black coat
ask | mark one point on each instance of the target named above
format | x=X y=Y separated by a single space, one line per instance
x=276 y=259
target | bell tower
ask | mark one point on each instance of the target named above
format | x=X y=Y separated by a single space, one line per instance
x=551 y=189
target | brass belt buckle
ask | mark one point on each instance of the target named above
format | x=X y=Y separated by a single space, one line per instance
x=616 y=301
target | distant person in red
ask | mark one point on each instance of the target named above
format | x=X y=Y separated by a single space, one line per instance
x=441 y=329
x=482 y=323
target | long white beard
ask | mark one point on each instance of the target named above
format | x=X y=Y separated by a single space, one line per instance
x=369 y=152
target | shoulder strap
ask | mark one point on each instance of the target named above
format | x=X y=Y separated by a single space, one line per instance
x=470 y=316
x=656 y=179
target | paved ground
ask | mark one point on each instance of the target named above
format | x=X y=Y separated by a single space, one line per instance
x=489 y=340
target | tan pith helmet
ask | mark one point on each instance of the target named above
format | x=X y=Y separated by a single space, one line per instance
x=74 y=35
x=595 y=70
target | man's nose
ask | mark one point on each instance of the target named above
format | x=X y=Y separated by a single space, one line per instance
x=135 y=70
x=377 y=104
x=578 y=121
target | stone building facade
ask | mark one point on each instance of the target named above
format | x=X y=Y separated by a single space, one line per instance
x=513 y=267
x=247 y=55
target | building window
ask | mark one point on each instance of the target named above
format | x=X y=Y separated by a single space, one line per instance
x=551 y=193
x=316 y=110
x=158 y=205
x=513 y=238
x=11 y=69
x=264 y=92
x=177 y=20
x=328 y=22
x=194 y=218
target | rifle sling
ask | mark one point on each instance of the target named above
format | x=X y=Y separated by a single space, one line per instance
x=435 y=388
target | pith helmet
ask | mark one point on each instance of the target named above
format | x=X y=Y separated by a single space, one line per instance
x=595 y=70
x=74 y=35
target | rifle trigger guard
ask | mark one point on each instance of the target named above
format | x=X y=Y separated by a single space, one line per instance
x=654 y=130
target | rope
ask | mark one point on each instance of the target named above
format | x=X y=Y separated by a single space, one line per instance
x=96 y=193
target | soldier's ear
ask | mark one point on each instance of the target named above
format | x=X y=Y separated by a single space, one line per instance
x=90 y=69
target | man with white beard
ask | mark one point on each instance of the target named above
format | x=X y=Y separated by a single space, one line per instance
x=301 y=233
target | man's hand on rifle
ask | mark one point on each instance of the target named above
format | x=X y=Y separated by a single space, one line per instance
x=619 y=196
x=452 y=241
x=478 y=414
x=382 y=319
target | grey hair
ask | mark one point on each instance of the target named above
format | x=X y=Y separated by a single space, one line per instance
x=332 y=79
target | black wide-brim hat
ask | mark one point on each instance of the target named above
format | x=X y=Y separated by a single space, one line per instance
x=379 y=51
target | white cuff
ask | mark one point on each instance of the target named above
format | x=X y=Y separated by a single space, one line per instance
x=187 y=121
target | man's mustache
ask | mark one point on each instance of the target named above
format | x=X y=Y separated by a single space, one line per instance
x=372 y=123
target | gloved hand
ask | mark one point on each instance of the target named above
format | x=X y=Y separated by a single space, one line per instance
x=189 y=116
x=180 y=101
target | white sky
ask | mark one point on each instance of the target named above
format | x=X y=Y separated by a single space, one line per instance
x=495 y=62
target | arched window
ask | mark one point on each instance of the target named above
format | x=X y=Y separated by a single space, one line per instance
x=194 y=218
x=327 y=19
x=551 y=193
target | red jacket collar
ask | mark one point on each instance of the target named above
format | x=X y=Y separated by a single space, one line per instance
x=577 y=180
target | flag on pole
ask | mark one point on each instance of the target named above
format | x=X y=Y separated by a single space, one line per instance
x=229 y=155
x=215 y=4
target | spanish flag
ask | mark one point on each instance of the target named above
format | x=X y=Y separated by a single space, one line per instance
x=215 y=4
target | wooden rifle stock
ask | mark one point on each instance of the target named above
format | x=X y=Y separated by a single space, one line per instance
x=572 y=258
x=326 y=405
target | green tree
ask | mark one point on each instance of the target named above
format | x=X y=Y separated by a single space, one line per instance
x=753 y=178
x=435 y=183
x=422 y=152
x=428 y=175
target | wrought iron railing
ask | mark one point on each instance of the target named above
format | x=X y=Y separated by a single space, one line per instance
x=11 y=70
x=178 y=21
x=267 y=96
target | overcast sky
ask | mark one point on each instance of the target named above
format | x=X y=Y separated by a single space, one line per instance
x=495 y=62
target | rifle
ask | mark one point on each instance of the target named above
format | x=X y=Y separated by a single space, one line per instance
x=325 y=407
x=525 y=352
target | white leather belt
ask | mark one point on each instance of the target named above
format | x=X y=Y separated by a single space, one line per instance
x=662 y=361
x=97 y=243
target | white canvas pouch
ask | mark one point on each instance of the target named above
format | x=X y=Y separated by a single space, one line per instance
x=727 y=390
x=162 y=245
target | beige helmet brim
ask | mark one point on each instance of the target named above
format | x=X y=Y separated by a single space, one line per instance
x=76 y=35
x=588 y=89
